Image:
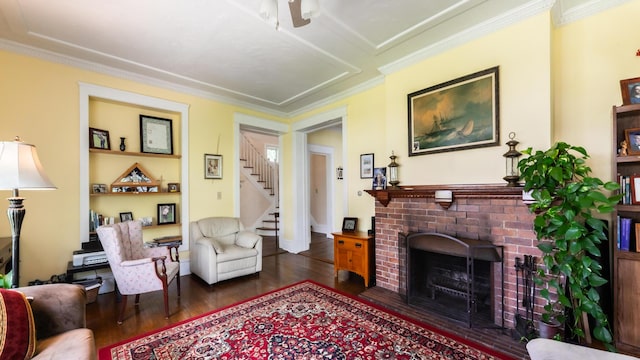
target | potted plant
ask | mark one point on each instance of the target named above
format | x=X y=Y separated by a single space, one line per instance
x=565 y=201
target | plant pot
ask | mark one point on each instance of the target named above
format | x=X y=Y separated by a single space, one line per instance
x=549 y=330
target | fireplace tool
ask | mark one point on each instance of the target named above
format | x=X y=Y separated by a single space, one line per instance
x=525 y=294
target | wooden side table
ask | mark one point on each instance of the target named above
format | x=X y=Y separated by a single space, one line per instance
x=354 y=251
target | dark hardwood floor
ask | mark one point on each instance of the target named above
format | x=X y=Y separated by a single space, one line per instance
x=279 y=269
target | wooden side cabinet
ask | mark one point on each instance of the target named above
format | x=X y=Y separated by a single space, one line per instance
x=354 y=251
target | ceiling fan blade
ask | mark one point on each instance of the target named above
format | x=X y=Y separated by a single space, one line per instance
x=296 y=13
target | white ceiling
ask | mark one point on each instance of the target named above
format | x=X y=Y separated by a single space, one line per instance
x=223 y=49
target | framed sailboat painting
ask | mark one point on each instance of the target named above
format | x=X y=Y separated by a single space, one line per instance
x=459 y=114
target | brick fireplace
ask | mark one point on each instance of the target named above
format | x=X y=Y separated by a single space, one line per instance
x=493 y=213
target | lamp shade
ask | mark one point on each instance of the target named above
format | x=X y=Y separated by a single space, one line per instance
x=20 y=167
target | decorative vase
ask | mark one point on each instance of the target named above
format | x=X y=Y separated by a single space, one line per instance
x=123 y=147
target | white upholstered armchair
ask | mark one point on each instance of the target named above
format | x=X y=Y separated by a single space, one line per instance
x=136 y=268
x=221 y=249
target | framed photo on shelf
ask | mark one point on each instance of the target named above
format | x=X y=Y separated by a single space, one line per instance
x=635 y=190
x=350 y=224
x=173 y=187
x=99 y=139
x=459 y=114
x=126 y=216
x=630 y=89
x=166 y=214
x=366 y=166
x=212 y=166
x=379 y=179
x=98 y=188
x=156 y=135
x=632 y=137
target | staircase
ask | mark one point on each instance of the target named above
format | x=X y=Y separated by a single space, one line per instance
x=265 y=173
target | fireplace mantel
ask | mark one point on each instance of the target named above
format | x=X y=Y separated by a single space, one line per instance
x=461 y=191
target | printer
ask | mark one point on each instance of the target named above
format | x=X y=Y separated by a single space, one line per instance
x=89 y=257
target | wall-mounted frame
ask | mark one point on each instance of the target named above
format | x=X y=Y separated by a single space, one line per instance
x=632 y=137
x=212 y=166
x=630 y=89
x=349 y=224
x=455 y=115
x=156 y=135
x=126 y=216
x=366 y=166
x=173 y=187
x=166 y=214
x=99 y=139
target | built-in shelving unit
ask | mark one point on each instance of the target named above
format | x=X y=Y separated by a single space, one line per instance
x=626 y=263
x=101 y=166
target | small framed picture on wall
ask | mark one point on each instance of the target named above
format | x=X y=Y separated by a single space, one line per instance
x=212 y=166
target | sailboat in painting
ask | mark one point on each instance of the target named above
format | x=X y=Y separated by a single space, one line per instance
x=467 y=129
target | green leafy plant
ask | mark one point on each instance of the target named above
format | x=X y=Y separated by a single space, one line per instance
x=566 y=199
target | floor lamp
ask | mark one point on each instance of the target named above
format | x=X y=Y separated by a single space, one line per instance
x=19 y=169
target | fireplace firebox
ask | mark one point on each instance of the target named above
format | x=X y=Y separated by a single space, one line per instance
x=456 y=278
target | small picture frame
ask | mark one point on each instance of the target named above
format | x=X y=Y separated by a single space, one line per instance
x=379 y=179
x=630 y=89
x=99 y=139
x=173 y=187
x=350 y=224
x=166 y=214
x=366 y=166
x=212 y=166
x=98 y=188
x=632 y=137
x=156 y=135
x=126 y=216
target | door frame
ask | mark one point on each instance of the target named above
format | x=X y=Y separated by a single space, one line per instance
x=300 y=173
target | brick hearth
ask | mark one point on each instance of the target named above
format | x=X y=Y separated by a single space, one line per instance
x=485 y=212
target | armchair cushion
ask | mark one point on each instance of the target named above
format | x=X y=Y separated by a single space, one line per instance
x=17 y=327
x=247 y=239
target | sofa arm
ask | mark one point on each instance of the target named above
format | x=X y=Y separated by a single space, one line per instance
x=547 y=349
x=57 y=308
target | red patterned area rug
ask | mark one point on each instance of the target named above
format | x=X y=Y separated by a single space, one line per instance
x=303 y=321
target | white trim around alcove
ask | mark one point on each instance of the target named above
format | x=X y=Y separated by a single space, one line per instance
x=89 y=91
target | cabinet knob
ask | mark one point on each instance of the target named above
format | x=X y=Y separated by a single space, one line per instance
x=358 y=245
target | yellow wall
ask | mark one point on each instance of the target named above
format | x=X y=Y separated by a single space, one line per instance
x=555 y=84
x=591 y=56
x=524 y=95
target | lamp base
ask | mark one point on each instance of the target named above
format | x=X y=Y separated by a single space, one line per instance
x=15 y=212
x=512 y=180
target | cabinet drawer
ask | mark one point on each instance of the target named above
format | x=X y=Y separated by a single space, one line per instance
x=350 y=244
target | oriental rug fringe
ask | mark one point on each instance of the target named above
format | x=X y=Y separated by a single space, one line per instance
x=302 y=321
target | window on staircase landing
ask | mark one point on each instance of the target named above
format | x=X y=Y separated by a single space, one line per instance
x=272 y=153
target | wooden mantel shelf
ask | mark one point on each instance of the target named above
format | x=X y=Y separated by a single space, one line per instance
x=462 y=191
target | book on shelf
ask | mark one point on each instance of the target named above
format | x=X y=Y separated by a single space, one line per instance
x=625 y=233
x=637 y=247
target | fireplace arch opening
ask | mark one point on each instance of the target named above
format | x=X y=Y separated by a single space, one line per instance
x=456 y=278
